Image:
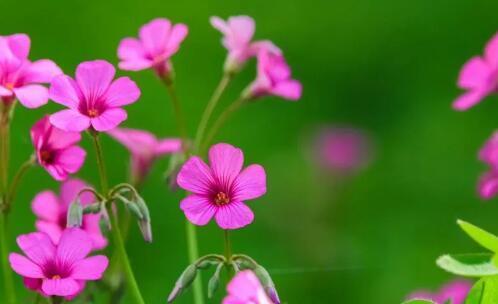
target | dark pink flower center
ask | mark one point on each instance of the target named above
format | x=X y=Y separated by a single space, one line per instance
x=56 y=271
x=221 y=198
x=93 y=113
x=46 y=157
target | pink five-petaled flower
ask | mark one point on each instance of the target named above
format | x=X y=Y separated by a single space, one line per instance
x=21 y=78
x=488 y=182
x=479 y=76
x=245 y=288
x=51 y=211
x=93 y=99
x=455 y=292
x=158 y=41
x=57 y=270
x=144 y=147
x=274 y=78
x=238 y=32
x=56 y=150
x=221 y=189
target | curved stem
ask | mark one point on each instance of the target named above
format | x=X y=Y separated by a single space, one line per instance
x=115 y=230
x=208 y=111
x=180 y=119
x=17 y=179
x=10 y=297
x=221 y=121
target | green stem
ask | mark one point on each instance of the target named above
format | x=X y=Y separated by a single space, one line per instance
x=16 y=181
x=10 y=297
x=115 y=230
x=221 y=121
x=180 y=119
x=208 y=111
x=228 y=252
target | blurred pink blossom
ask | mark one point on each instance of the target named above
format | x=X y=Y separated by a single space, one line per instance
x=19 y=77
x=219 y=190
x=455 y=292
x=238 y=32
x=158 y=41
x=57 y=270
x=245 y=288
x=56 y=150
x=488 y=183
x=51 y=211
x=93 y=99
x=144 y=148
x=274 y=78
x=479 y=76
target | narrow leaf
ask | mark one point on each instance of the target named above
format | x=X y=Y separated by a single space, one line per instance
x=482 y=237
x=469 y=265
x=485 y=291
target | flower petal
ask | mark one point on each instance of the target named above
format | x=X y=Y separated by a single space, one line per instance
x=46 y=206
x=74 y=246
x=198 y=209
x=469 y=99
x=195 y=176
x=109 y=120
x=60 y=139
x=242 y=29
x=94 y=78
x=491 y=51
x=488 y=185
x=37 y=246
x=168 y=145
x=131 y=49
x=19 y=45
x=226 y=162
x=290 y=89
x=24 y=266
x=139 y=142
x=52 y=229
x=91 y=224
x=71 y=159
x=177 y=35
x=41 y=71
x=60 y=287
x=123 y=91
x=70 y=120
x=32 y=96
x=474 y=74
x=91 y=268
x=65 y=91
x=234 y=215
x=250 y=184
x=154 y=36
x=71 y=188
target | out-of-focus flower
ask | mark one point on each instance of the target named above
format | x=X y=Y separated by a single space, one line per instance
x=238 y=32
x=56 y=150
x=144 y=147
x=158 y=41
x=245 y=288
x=220 y=189
x=479 y=76
x=487 y=186
x=57 y=270
x=342 y=149
x=21 y=78
x=94 y=99
x=455 y=292
x=51 y=211
x=274 y=78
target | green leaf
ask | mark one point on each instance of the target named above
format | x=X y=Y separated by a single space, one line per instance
x=484 y=238
x=419 y=301
x=485 y=291
x=469 y=265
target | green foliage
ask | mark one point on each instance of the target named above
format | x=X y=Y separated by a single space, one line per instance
x=469 y=265
x=418 y=301
x=482 y=237
x=485 y=291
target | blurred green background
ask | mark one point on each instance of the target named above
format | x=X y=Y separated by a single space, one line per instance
x=387 y=66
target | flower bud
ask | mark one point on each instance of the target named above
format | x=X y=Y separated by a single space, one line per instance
x=185 y=280
x=144 y=222
x=92 y=208
x=214 y=281
x=267 y=283
x=75 y=215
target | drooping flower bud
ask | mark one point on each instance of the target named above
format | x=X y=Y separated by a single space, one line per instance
x=267 y=283
x=214 y=281
x=185 y=280
x=75 y=214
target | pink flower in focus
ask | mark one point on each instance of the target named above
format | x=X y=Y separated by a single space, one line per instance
x=238 y=32
x=21 y=78
x=245 y=288
x=51 y=211
x=219 y=190
x=144 y=147
x=455 y=292
x=57 y=270
x=56 y=150
x=343 y=149
x=479 y=76
x=488 y=183
x=93 y=99
x=158 y=41
x=274 y=78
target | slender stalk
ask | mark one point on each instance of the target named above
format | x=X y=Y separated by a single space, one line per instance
x=180 y=119
x=16 y=181
x=208 y=111
x=228 y=253
x=10 y=297
x=116 y=233
x=4 y=146
x=221 y=121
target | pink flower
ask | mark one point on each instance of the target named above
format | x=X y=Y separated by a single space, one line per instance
x=488 y=183
x=479 y=76
x=343 y=149
x=158 y=41
x=238 y=32
x=94 y=99
x=221 y=189
x=144 y=147
x=51 y=211
x=454 y=292
x=56 y=150
x=57 y=270
x=245 y=288
x=274 y=78
x=21 y=78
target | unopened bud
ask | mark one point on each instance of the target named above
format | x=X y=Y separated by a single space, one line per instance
x=75 y=215
x=267 y=283
x=214 y=281
x=185 y=280
x=92 y=208
x=144 y=223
